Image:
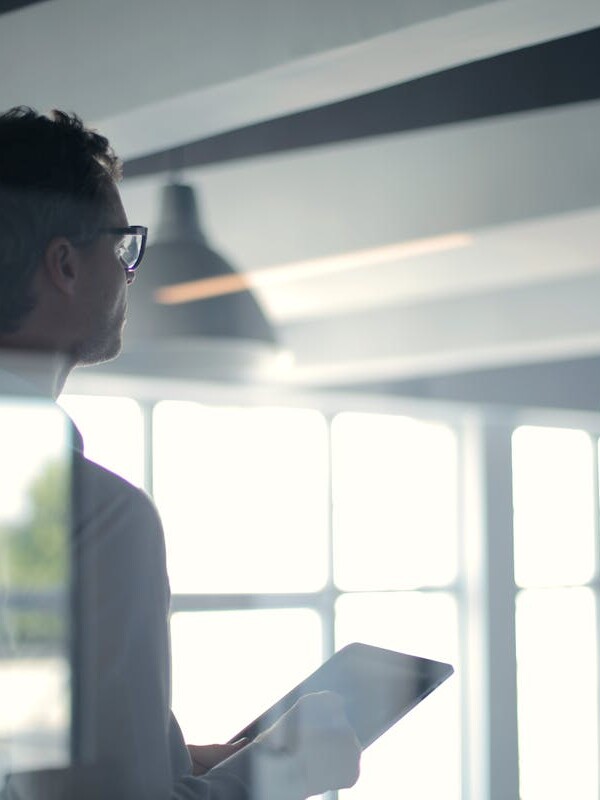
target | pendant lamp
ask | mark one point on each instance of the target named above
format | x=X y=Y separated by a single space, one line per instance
x=225 y=335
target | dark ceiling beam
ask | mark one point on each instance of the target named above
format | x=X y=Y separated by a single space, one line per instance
x=554 y=73
x=15 y=5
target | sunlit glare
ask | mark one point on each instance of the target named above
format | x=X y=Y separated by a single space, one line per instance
x=45 y=442
x=399 y=763
x=557 y=674
x=230 y=666
x=190 y=291
x=35 y=489
x=553 y=497
x=112 y=431
x=395 y=502
x=243 y=497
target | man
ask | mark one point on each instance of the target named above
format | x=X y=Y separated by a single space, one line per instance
x=67 y=258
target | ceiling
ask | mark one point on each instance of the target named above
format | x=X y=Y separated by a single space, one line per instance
x=447 y=149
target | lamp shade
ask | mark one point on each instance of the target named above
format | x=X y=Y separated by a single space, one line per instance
x=224 y=336
x=178 y=253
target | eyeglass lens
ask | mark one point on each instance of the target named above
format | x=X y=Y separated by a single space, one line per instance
x=129 y=249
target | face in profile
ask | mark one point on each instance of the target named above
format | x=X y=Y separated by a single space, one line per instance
x=103 y=296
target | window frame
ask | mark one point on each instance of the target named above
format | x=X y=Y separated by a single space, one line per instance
x=149 y=394
x=486 y=549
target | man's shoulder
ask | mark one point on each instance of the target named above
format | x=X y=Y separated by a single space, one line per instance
x=116 y=522
x=100 y=489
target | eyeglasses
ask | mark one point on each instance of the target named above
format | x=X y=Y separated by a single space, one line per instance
x=130 y=247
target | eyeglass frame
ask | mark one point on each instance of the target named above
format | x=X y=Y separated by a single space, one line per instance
x=132 y=230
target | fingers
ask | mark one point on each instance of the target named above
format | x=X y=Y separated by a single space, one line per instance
x=316 y=734
x=235 y=746
x=350 y=769
x=325 y=709
x=205 y=757
x=329 y=747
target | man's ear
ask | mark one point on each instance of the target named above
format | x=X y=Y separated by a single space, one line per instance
x=61 y=265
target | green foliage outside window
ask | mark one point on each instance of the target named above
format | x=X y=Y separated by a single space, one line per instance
x=37 y=547
x=35 y=564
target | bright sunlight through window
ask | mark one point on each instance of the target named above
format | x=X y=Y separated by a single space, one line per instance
x=395 y=502
x=232 y=665
x=112 y=430
x=553 y=496
x=243 y=497
x=556 y=627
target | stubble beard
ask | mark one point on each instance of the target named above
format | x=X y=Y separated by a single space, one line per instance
x=106 y=345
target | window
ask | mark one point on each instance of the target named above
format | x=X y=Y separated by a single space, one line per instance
x=393 y=551
x=112 y=430
x=289 y=534
x=553 y=485
x=243 y=496
x=34 y=586
x=555 y=527
x=388 y=534
x=424 y=623
x=229 y=666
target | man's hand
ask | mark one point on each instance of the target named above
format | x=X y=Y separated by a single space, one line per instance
x=207 y=756
x=316 y=732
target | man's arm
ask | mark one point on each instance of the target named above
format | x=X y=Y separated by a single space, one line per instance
x=122 y=554
x=125 y=672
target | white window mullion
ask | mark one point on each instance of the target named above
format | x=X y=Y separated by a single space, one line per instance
x=596 y=578
x=330 y=589
x=490 y=678
x=147 y=418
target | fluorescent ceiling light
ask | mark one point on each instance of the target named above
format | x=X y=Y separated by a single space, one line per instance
x=301 y=270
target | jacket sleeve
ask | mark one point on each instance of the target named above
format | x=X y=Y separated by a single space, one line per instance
x=125 y=722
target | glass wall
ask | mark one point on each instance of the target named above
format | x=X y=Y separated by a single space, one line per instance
x=35 y=586
x=555 y=484
x=289 y=534
x=293 y=531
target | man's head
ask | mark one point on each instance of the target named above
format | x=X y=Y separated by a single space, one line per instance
x=62 y=284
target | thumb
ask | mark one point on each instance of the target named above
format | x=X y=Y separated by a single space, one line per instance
x=235 y=746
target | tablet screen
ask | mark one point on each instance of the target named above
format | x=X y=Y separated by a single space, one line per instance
x=379 y=687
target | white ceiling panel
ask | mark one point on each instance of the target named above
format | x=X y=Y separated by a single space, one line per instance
x=525 y=188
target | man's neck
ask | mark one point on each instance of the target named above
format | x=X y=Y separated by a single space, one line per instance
x=47 y=372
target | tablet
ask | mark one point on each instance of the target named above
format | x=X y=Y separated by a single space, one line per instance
x=379 y=687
